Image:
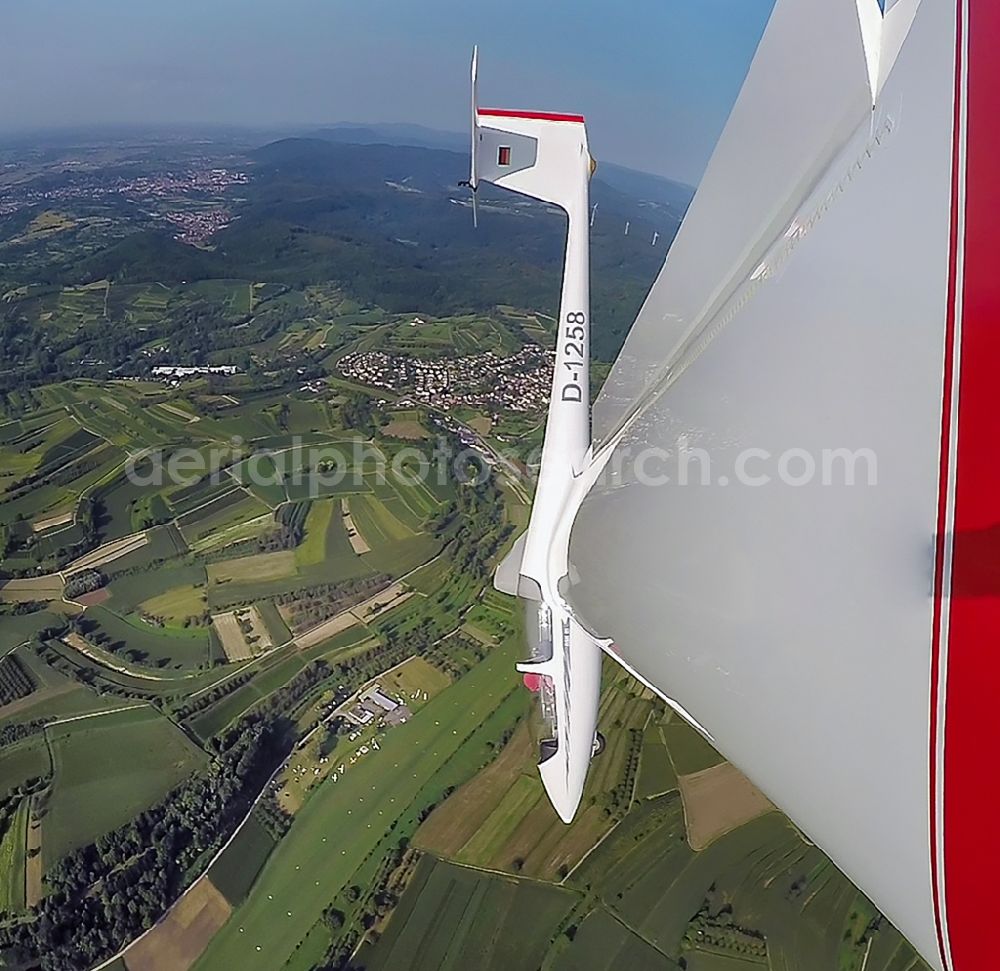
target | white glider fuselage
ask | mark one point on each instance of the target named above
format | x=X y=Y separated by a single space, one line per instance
x=545 y=156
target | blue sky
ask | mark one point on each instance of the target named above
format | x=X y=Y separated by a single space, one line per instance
x=656 y=78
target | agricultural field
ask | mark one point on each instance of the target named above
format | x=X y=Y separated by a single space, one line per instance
x=704 y=960
x=602 y=943
x=242 y=633
x=27 y=759
x=107 y=769
x=717 y=801
x=265 y=675
x=262 y=566
x=657 y=774
x=13 y=848
x=18 y=629
x=451 y=917
x=178 y=940
x=407 y=426
x=318 y=524
x=689 y=751
x=176 y=605
x=774 y=883
x=202 y=527
x=235 y=871
x=58 y=696
x=648 y=901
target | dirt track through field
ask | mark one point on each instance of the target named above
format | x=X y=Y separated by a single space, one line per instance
x=44 y=524
x=108 y=552
x=78 y=643
x=326 y=630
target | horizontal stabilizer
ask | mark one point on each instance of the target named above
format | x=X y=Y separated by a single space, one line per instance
x=508 y=572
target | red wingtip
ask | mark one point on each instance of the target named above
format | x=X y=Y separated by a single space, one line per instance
x=540 y=115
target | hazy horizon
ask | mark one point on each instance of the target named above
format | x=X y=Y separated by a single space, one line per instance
x=656 y=78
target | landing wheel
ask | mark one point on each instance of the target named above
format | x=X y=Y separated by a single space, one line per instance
x=598 y=745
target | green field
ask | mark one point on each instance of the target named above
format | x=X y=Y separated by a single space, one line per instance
x=376 y=522
x=235 y=871
x=216 y=717
x=262 y=476
x=602 y=943
x=454 y=918
x=698 y=960
x=312 y=549
x=203 y=527
x=656 y=773
x=762 y=876
x=107 y=770
x=689 y=751
x=162 y=543
x=259 y=567
x=58 y=696
x=176 y=604
x=15 y=630
x=12 y=859
x=273 y=672
x=274 y=622
x=187 y=498
x=28 y=759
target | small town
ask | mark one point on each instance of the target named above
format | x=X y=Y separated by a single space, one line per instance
x=85 y=185
x=486 y=381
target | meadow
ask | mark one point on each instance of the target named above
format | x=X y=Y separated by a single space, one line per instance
x=234 y=873
x=13 y=847
x=27 y=759
x=107 y=769
x=453 y=918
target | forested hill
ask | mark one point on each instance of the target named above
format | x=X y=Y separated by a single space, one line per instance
x=405 y=237
x=392 y=227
